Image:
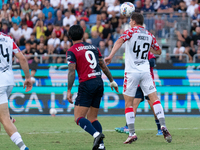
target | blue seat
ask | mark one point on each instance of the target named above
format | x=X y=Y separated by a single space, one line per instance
x=92 y=19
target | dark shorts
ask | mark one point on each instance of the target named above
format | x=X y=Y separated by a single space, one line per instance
x=140 y=94
x=90 y=93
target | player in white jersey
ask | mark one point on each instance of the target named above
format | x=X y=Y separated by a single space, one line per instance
x=137 y=72
x=7 y=49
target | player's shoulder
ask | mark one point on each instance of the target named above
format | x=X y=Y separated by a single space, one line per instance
x=6 y=36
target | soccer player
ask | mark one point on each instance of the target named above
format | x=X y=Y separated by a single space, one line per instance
x=88 y=61
x=139 y=97
x=137 y=72
x=7 y=48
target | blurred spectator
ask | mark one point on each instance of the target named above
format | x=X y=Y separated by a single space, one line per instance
x=27 y=52
x=115 y=22
x=95 y=38
x=194 y=24
x=26 y=31
x=156 y=4
x=88 y=4
x=59 y=31
x=4 y=11
x=55 y=4
x=32 y=41
x=81 y=14
x=59 y=18
x=85 y=28
x=62 y=52
x=6 y=20
x=195 y=42
x=28 y=21
x=102 y=47
x=178 y=50
x=148 y=7
x=35 y=12
x=49 y=30
x=49 y=20
x=182 y=7
x=16 y=18
x=41 y=51
x=104 y=18
x=54 y=41
x=138 y=6
x=165 y=7
x=191 y=8
x=5 y=28
x=159 y=25
x=13 y=8
x=26 y=9
x=3 y=3
x=187 y=2
x=47 y=9
x=76 y=3
x=65 y=41
x=186 y=40
x=69 y=19
x=66 y=29
x=195 y=16
x=109 y=3
x=106 y=34
x=35 y=2
x=114 y=8
x=15 y=32
x=97 y=7
x=42 y=40
x=117 y=34
x=52 y=51
x=109 y=49
x=197 y=59
x=86 y=38
x=125 y=25
x=171 y=23
x=39 y=29
x=98 y=27
x=71 y=8
x=149 y=22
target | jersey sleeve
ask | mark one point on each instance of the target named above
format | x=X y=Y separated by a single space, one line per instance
x=126 y=35
x=15 y=48
x=151 y=55
x=100 y=56
x=154 y=43
x=71 y=57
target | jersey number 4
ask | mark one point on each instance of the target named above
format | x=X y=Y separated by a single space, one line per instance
x=6 y=54
x=144 y=51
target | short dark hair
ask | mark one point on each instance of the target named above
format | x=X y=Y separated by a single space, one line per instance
x=138 y=18
x=76 y=32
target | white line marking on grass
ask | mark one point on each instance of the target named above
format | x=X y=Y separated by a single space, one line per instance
x=107 y=130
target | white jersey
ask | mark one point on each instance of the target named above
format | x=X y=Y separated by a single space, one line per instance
x=138 y=42
x=7 y=48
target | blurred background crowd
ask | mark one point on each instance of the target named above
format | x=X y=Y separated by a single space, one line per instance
x=40 y=27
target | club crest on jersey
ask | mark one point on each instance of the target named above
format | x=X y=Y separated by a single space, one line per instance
x=3 y=40
x=85 y=47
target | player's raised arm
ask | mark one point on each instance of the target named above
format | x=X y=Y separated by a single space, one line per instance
x=24 y=65
x=117 y=45
x=71 y=78
x=108 y=74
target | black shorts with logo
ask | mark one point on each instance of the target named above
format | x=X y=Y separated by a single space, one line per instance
x=140 y=94
x=90 y=93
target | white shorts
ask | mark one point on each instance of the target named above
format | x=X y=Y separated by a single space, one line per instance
x=133 y=79
x=4 y=93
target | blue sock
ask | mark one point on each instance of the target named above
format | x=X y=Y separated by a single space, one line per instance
x=86 y=125
x=158 y=124
x=96 y=124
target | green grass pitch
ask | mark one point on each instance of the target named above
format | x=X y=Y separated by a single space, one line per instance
x=61 y=133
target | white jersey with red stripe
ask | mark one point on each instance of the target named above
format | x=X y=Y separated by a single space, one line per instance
x=138 y=42
x=7 y=48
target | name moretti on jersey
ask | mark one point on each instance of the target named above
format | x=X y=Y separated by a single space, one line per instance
x=143 y=38
x=85 y=47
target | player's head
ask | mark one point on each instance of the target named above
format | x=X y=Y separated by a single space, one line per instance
x=76 y=32
x=136 y=19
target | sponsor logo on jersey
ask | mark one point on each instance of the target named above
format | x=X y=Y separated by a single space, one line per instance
x=151 y=87
x=94 y=74
x=85 y=47
x=143 y=38
x=3 y=40
x=139 y=62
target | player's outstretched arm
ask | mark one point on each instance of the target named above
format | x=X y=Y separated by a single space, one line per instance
x=24 y=65
x=108 y=74
x=117 y=45
x=157 y=52
x=71 y=78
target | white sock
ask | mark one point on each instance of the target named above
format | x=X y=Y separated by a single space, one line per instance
x=130 y=120
x=158 y=109
x=16 y=138
x=96 y=134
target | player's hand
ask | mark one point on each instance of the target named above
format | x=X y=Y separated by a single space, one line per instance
x=108 y=60
x=28 y=84
x=69 y=96
x=114 y=85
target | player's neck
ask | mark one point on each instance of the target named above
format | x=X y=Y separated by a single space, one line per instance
x=75 y=42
